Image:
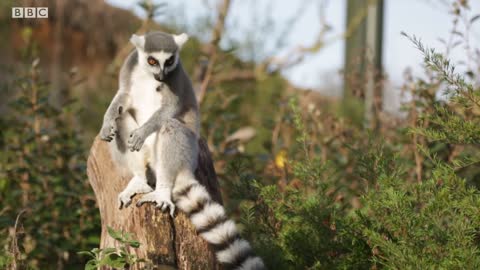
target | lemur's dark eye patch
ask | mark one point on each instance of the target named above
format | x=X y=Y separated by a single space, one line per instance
x=170 y=61
x=152 y=61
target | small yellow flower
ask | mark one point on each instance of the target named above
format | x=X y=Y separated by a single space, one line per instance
x=281 y=159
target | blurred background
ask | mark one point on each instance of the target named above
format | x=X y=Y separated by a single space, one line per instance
x=340 y=129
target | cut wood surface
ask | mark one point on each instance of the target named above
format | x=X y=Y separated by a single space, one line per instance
x=169 y=243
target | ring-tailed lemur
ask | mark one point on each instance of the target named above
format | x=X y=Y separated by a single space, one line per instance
x=155 y=115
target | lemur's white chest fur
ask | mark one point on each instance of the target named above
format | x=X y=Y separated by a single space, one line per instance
x=144 y=95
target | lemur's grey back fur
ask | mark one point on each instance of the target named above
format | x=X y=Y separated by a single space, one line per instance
x=183 y=96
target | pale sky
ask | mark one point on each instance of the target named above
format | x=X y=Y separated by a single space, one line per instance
x=428 y=19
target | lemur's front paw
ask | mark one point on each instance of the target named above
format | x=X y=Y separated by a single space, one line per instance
x=108 y=131
x=162 y=197
x=136 y=140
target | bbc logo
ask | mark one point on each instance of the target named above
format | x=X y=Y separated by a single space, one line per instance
x=30 y=12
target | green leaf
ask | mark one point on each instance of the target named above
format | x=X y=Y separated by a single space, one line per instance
x=109 y=250
x=114 y=260
x=134 y=244
x=114 y=234
x=87 y=253
x=91 y=265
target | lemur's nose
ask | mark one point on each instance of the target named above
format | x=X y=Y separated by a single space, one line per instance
x=159 y=76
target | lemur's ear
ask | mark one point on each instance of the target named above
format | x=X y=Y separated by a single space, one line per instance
x=138 y=41
x=180 y=39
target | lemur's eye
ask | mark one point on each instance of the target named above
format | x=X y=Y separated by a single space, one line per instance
x=152 y=61
x=170 y=61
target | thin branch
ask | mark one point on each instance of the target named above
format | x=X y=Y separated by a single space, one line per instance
x=213 y=48
x=14 y=244
x=233 y=76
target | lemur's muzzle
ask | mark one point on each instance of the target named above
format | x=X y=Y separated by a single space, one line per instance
x=159 y=76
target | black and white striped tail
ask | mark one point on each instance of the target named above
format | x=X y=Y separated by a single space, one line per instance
x=212 y=224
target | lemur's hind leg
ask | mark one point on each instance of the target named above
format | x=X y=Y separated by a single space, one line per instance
x=176 y=150
x=135 y=162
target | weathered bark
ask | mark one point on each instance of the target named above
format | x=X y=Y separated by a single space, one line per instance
x=168 y=243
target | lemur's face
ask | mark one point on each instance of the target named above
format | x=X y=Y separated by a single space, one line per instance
x=158 y=53
x=158 y=63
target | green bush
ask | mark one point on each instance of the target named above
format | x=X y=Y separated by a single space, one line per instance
x=43 y=181
x=398 y=222
x=432 y=224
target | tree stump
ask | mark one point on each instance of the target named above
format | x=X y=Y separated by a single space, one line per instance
x=169 y=243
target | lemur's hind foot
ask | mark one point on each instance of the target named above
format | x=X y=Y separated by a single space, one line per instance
x=137 y=185
x=162 y=196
